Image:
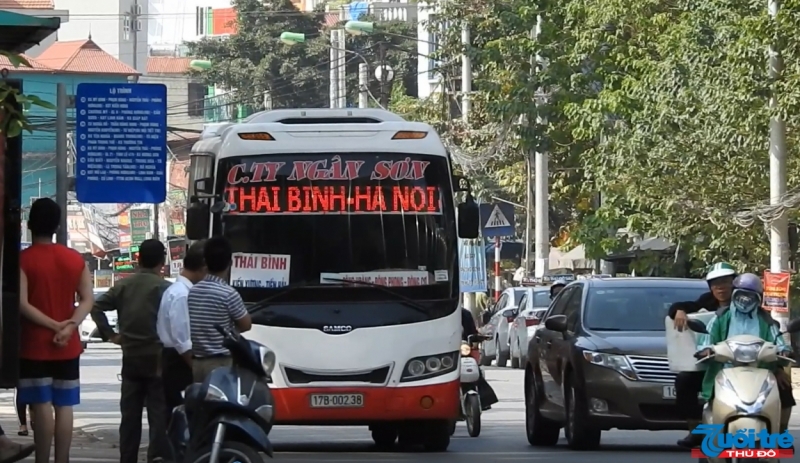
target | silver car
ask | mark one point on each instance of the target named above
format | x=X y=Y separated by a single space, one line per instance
x=497 y=319
x=88 y=329
x=532 y=308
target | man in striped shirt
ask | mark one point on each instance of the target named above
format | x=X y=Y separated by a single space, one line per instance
x=211 y=302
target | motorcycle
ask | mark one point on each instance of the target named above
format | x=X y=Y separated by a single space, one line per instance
x=470 y=398
x=745 y=397
x=228 y=416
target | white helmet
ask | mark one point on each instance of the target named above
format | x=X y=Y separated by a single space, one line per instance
x=722 y=269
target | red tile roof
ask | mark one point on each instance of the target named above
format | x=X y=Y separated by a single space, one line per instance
x=167 y=65
x=331 y=19
x=26 y=5
x=35 y=65
x=82 y=56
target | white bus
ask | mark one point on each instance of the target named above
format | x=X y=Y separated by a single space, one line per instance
x=344 y=230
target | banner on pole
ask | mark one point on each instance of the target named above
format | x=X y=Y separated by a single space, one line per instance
x=776 y=291
x=472 y=266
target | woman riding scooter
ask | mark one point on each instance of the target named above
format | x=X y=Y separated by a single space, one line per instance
x=485 y=391
x=745 y=317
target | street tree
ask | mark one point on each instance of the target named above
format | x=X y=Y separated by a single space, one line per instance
x=254 y=60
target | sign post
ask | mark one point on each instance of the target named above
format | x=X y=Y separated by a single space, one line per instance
x=497 y=220
x=121 y=143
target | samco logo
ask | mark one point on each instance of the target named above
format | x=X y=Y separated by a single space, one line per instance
x=337 y=328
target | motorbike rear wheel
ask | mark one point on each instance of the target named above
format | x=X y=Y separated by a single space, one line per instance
x=473 y=415
x=230 y=450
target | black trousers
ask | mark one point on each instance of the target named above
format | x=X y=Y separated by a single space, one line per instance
x=688 y=386
x=177 y=376
x=142 y=386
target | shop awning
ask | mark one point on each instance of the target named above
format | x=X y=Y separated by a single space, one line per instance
x=19 y=32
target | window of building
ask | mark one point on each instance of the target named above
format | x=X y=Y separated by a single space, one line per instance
x=200 y=20
x=435 y=38
x=197 y=97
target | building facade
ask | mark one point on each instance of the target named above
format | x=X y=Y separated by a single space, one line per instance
x=185 y=96
x=120 y=27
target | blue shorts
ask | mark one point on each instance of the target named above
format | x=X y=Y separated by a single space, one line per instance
x=50 y=381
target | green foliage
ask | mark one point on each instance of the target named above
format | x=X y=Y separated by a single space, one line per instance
x=254 y=60
x=12 y=120
x=661 y=106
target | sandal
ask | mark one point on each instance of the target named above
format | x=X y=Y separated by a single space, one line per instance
x=16 y=452
x=23 y=433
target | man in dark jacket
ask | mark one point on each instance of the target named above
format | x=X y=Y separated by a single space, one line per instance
x=136 y=300
x=689 y=384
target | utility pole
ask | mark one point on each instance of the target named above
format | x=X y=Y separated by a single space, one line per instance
x=61 y=161
x=466 y=75
x=334 y=84
x=779 y=229
x=342 y=68
x=542 y=199
x=135 y=30
x=384 y=76
x=363 y=85
x=470 y=300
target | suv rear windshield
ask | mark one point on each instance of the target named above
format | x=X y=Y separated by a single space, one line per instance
x=634 y=309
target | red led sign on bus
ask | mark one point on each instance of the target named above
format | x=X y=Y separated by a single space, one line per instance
x=331 y=186
x=334 y=199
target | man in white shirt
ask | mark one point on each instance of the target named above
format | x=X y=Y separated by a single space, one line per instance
x=173 y=328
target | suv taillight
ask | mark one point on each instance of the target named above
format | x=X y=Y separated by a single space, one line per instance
x=531 y=321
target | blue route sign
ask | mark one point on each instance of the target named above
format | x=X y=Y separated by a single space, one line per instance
x=497 y=219
x=121 y=143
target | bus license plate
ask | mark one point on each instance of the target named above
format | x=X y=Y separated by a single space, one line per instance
x=337 y=400
x=669 y=392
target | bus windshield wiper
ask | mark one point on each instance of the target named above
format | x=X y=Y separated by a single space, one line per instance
x=266 y=302
x=406 y=301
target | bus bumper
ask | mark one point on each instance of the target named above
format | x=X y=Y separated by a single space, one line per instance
x=381 y=404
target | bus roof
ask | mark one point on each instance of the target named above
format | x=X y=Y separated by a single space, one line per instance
x=318 y=130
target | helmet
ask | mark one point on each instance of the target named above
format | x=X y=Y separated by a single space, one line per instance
x=722 y=269
x=557 y=284
x=749 y=282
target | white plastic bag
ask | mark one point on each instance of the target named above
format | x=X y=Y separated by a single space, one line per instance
x=681 y=346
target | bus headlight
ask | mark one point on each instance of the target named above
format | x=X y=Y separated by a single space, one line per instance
x=429 y=366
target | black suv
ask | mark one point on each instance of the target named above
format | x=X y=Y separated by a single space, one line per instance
x=600 y=361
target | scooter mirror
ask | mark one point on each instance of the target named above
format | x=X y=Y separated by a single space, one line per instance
x=699 y=327
x=793 y=326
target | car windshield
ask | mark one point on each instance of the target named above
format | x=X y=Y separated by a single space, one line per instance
x=634 y=309
x=317 y=219
x=541 y=299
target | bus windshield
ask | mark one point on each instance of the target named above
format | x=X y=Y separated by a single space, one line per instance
x=317 y=219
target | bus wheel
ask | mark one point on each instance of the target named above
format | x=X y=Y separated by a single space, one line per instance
x=437 y=439
x=384 y=436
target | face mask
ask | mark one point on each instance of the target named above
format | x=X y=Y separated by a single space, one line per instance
x=745 y=301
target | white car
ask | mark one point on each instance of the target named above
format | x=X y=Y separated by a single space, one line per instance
x=500 y=317
x=88 y=328
x=532 y=308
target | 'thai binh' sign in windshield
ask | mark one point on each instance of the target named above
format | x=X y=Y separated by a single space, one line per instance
x=331 y=185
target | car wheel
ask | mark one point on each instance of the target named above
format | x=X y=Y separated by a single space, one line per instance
x=84 y=345
x=502 y=359
x=540 y=431
x=580 y=434
x=514 y=362
x=522 y=358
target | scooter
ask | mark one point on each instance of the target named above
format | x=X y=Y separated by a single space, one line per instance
x=746 y=397
x=470 y=399
x=228 y=416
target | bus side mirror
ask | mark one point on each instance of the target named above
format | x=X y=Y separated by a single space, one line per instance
x=197 y=221
x=204 y=185
x=469 y=222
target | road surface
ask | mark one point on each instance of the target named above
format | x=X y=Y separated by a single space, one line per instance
x=502 y=438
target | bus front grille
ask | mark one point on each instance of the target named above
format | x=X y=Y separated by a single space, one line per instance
x=297 y=376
